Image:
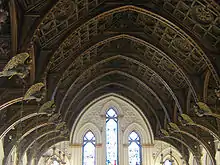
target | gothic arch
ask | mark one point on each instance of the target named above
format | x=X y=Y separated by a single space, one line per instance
x=109 y=100
x=81 y=131
x=43 y=160
x=93 y=118
x=165 y=150
x=112 y=104
x=142 y=132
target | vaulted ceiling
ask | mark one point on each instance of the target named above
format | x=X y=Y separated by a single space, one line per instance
x=161 y=54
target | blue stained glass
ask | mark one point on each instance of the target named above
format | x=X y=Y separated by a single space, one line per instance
x=134 y=149
x=55 y=163
x=89 y=149
x=167 y=162
x=111 y=138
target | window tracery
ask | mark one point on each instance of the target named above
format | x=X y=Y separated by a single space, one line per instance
x=120 y=118
x=167 y=162
x=134 y=149
x=55 y=163
x=89 y=149
x=111 y=137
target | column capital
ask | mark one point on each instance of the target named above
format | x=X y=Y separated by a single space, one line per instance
x=148 y=145
x=125 y=145
x=98 y=145
x=75 y=145
x=120 y=116
x=103 y=116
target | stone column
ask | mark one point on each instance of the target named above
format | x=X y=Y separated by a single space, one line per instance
x=125 y=151
x=205 y=157
x=191 y=158
x=1 y=151
x=99 y=154
x=15 y=156
x=217 y=155
x=147 y=154
x=25 y=159
x=76 y=154
x=33 y=160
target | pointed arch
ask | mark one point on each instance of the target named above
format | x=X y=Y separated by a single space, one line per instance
x=164 y=149
x=104 y=103
x=88 y=149
x=96 y=116
x=111 y=132
x=112 y=103
x=134 y=149
x=167 y=162
x=80 y=132
x=142 y=132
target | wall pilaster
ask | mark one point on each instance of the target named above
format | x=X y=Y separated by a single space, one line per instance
x=147 y=154
x=1 y=151
x=99 y=151
x=76 y=154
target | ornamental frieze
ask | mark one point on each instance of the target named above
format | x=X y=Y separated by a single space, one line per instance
x=62 y=16
x=182 y=45
x=159 y=31
x=203 y=15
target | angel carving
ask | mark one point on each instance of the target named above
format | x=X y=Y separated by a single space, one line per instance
x=19 y=65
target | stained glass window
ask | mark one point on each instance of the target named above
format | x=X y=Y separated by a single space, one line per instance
x=111 y=137
x=89 y=149
x=167 y=162
x=55 y=163
x=134 y=149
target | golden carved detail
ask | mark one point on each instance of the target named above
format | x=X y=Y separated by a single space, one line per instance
x=34 y=92
x=47 y=107
x=203 y=15
x=182 y=45
x=164 y=132
x=201 y=109
x=18 y=65
x=184 y=119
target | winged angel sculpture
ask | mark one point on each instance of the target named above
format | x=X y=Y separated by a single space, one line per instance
x=34 y=92
x=48 y=107
x=19 y=65
x=202 y=109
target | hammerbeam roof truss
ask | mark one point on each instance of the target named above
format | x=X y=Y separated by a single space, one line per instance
x=160 y=52
x=194 y=15
x=180 y=45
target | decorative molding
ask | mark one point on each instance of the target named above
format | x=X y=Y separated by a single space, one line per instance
x=128 y=114
x=98 y=145
x=148 y=145
x=203 y=15
x=75 y=145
